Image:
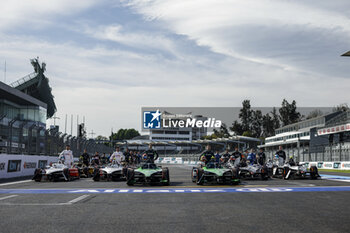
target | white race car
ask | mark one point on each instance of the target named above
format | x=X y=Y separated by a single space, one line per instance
x=287 y=170
x=55 y=172
x=246 y=170
x=111 y=172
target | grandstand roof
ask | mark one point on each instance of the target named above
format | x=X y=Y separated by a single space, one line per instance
x=37 y=86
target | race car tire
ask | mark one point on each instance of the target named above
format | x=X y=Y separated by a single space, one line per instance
x=200 y=178
x=264 y=173
x=166 y=176
x=314 y=172
x=192 y=176
x=285 y=172
x=86 y=171
x=130 y=177
x=37 y=175
x=125 y=171
x=96 y=176
x=235 y=173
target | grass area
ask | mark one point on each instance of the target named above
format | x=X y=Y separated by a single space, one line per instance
x=334 y=170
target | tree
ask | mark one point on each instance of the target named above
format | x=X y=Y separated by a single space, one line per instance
x=222 y=132
x=341 y=107
x=314 y=113
x=267 y=126
x=131 y=133
x=246 y=115
x=288 y=113
x=237 y=128
x=101 y=138
x=124 y=134
x=247 y=134
x=275 y=119
x=256 y=123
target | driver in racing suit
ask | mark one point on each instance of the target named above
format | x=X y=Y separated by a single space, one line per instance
x=207 y=156
x=237 y=154
x=225 y=157
x=291 y=161
x=117 y=157
x=281 y=153
x=150 y=154
x=85 y=158
x=66 y=157
x=251 y=157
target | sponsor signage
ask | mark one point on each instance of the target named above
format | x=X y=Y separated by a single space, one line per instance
x=29 y=165
x=334 y=129
x=42 y=164
x=14 y=166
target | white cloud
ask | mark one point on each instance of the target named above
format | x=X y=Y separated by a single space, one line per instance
x=262 y=50
x=223 y=25
x=36 y=13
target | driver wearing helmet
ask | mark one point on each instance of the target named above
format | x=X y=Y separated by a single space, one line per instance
x=117 y=157
x=251 y=157
x=291 y=161
x=206 y=157
x=66 y=157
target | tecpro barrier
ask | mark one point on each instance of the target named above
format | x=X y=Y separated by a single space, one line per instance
x=22 y=165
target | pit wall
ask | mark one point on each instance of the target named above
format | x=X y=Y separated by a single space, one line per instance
x=12 y=166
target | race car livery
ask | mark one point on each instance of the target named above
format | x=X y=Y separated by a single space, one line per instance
x=84 y=171
x=293 y=171
x=148 y=173
x=111 y=172
x=246 y=170
x=214 y=172
x=56 y=172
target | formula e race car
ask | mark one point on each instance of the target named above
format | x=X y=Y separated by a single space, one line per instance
x=253 y=171
x=111 y=172
x=148 y=173
x=84 y=171
x=55 y=172
x=214 y=172
x=246 y=170
x=293 y=170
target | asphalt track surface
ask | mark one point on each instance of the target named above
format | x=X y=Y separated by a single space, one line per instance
x=253 y=206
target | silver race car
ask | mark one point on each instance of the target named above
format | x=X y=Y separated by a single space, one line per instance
x=111 y=172
x=55 y=172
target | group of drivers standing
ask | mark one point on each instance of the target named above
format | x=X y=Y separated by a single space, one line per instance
x=118 y=157
x=246 y=157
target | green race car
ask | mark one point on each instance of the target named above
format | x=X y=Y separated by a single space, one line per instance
x=215 y=173
x=148 y=173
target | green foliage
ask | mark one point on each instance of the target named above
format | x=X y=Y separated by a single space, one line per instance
x=222 y=132
x=341 y=107
x=247 y=134
x=314 y=113
x=237 y=128
x=256 y=124
x=288 y=113
x=246 y=115
x=124 y=134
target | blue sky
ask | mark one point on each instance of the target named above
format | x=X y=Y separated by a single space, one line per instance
x=107 y=58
